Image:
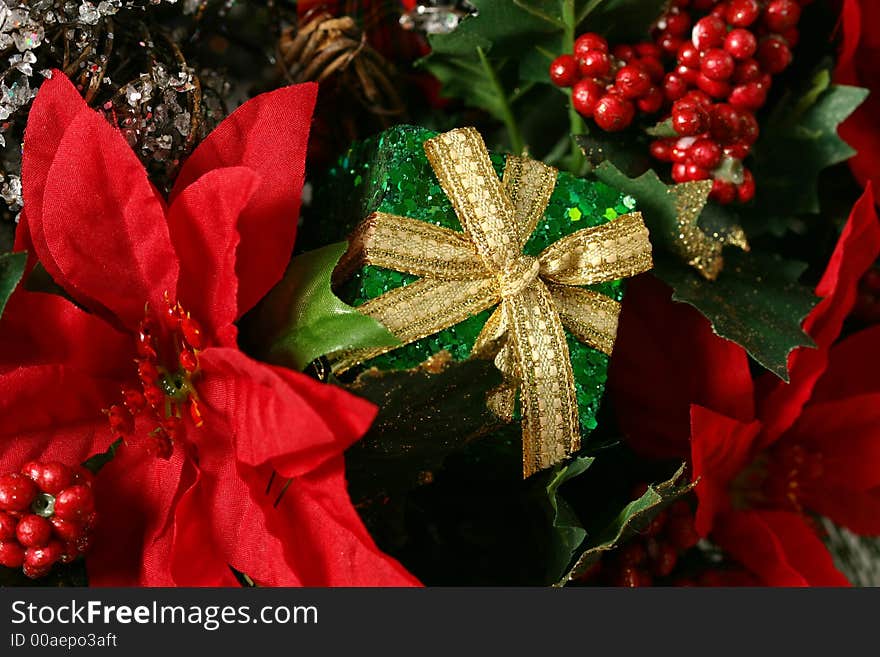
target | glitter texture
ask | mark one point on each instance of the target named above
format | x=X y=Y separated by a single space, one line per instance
x=390 y=173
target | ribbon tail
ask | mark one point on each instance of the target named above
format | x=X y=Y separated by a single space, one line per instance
x=589 y=316
x=418 y=310
x=493 y=343
x=618 y=249
x=551 y=430
x=529 y=184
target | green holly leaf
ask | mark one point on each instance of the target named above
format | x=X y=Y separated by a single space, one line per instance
x=756 y=302
x=11 y=270
x=424 y=415
x=857 y=557
x=631 y=520
x=798 y=141
x=301 y=319
x=568 y=533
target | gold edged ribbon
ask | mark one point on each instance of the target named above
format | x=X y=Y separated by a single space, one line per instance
x=462 y=274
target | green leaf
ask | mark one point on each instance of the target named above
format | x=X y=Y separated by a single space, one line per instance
x=857 y=557
x=799 y=140
x=568 y=534
x=755 y=302
x=303 y=319
x=424 y=414
x=11 y=270
x=632 y=519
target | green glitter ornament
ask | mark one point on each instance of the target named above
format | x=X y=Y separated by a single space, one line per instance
x=390 y=173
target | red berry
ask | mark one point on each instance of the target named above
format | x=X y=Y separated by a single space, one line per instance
x=674 y=87
x=32 y=470
x=67 y=530
x=624 y=52
x=651 y=102
x=75 y=503
x=737 y=150
x=633 y=82
x=649 y=50
x=781 y=15
x=44 y=557
x=653 y=67
x=688 y=55
x=719 y=10
x=589 y=41
x=661 y=149
x=688 y=119
x=613 y=113
x=564 y=71
x=749 y=96
x=722 y=191
x=717 y=64
x=681 y=532
x=745 y=191
x=689 y=75
x=628 y=577
x=706 y=153
x=749 y=130
x=681 y=151
x=69 y=552
x=33 y=530
x=11 y=554
x=747 y=71
x=632 y=554
x=678 y=23
x=714 y=88
x=724 y=123
x=741 y=44
x=594 y=64
x=82 y=475
x=774 y=55
x=697 y=97
x=709 y=32
x=663 y=559
x=7 y=526
x=16 y=492
x=742 y=13
x=669 y=43
x=791 y=36
x=585 y=95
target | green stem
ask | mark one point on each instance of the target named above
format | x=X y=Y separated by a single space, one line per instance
x=575 y=122
x=517 y=145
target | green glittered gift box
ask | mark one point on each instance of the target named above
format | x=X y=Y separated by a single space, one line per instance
x=483 y=255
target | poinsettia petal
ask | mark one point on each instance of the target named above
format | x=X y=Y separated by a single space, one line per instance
x=37 y=398
x=203 y=222
x=721 y=448
x=780 y=403
x=103 y=223
x=269 y=135
x=857 y=510
x=846 y=435
x=280 y=416
x=135 y=496
x=779 y=547
x=666 y=358
x=852 y=367
x=857 y=65
x=38 y=328
x=56 y=105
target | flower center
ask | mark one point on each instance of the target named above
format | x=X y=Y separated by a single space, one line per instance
x=168 y=345
x=779 y=478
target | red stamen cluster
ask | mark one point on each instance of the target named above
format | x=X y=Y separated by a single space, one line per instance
x=653 y=554
x=46 y=513
x=164 y=388
x=709 y=69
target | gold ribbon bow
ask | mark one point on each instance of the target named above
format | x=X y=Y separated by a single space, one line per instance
x=462 y=274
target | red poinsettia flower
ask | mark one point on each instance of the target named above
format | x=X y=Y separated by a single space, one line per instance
x=859 y=64
x=765 y=453
x=210 y=435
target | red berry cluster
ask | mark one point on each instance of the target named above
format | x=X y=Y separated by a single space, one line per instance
x=163 y=387
x=652 y=554
x=719 y=55
x=46 y=513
